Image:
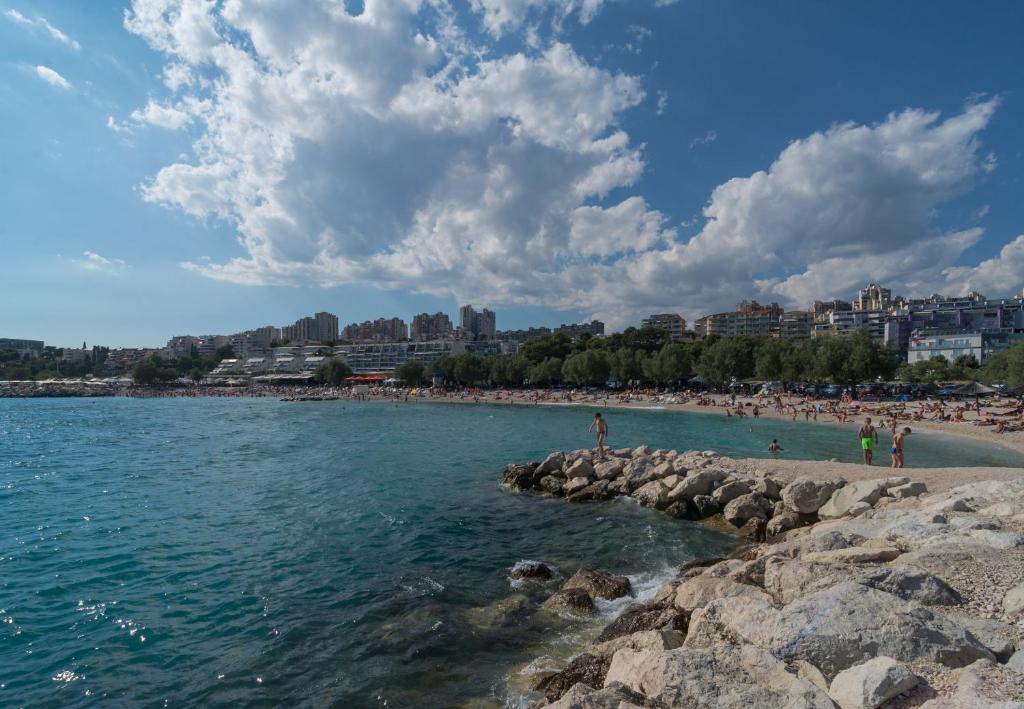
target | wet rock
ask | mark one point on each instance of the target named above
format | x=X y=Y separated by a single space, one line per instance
x=593 y=492
x=497 y=614
x=725 y=677
x=704 y=506
x=532 y=570
x=641 y=617
x=652 y=494
x=599 y=584
x=551 y=484
x=746 y=507
x=520 y=477
x=575 y=484
x=573 y=601
x=586 y=669
x=806 y=496
x=872 y=683
x=753 y=530
x=552 y=465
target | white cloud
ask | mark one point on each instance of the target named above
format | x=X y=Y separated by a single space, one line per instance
x=389 y=148
x=52 y=77
x=708 y=137
x=662 y=102
x=41 y=22
x=503 y=16
x=1000 y=276
x=92 y=261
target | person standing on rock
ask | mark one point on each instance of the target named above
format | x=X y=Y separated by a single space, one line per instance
x=897 y=447
x=868 y=437
x=602 y=432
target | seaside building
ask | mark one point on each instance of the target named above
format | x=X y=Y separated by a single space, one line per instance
x=672 y=322
x=477 y=325
x=521 y=336
x=76 y=356
x=749 y=318
x=321 y=327
x=873 y=297
x=594 y=328
x=796 y=325
x=379 y=330
x=972 y=313
x=432 y=327
x=255 y=342
x=124 y=359
x=847 y=322
x=386 y=357
x=24 y=348
x=823 y=307
x=955 y=343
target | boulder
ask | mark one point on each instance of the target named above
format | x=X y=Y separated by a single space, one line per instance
x=908 y=490
x=729 y=491
x=532 y=570
x=658 y=640
x=575 y=484
x=581 y=468
x=500 y=613
x=837 y=627
x=520 y=477
x=1016 y=662
x=704 y=506
x=551 y=484
x=681 y=510
x=592 y=492
x=854 y=555
x=753 y=530
x=573 y=601
x=769 y=488
x=872 y=683
x=552 y=465
x=1013 y=601
x=788 y=520
x=734 y=620
x=698 y=591
x=641 y=451
x=614 y=696
x=996 y=635
x=652 y=494
x=867 y=491
x=599 y=584
x=586 y=668
x=670 y=481
x=645 y=616
x=806 y=496
x=622 y=452
x=788 y=579
x=860 y=508
x=912 y=584
x=699 y=483
x=746 y=507
x=620 y=486
x=609 y=469
x=724 y=677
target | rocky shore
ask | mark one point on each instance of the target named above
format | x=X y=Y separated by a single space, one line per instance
x=851 y=594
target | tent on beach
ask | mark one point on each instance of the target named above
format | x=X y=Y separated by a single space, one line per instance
x=974 y=389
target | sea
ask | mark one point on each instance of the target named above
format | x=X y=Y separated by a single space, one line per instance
x=252 y=552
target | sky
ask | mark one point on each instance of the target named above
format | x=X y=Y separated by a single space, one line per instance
x=197 y=167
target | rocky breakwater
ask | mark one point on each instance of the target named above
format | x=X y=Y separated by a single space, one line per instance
x=865 y=594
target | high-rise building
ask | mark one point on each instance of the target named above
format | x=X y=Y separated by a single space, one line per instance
x=796 y=325
x=749 y=318
x=477 y=325
x=431 y=327
x=873 y=297
x=321 y=327
x=379 y=330
x=827 y=306
x=673 y=322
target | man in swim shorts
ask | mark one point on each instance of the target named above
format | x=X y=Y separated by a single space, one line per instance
x=868 y=437
x=602 y=432
x=897 y=447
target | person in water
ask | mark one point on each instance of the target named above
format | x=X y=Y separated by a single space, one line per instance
x=868 y=435
x=774 y=447
x=897 y=447
x=602 y=432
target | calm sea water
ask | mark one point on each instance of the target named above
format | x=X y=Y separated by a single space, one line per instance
x=253 y=552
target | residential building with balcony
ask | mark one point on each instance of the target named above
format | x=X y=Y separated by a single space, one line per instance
x=672 y=322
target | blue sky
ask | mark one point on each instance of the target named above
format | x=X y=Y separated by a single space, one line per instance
x=178 y=166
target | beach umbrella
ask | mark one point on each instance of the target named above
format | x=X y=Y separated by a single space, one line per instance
x=974 y=389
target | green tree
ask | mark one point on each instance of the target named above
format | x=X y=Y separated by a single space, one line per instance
x=627 y=365
x=196 y=374
x=672 y=364
x=410 y=372
x=546 y=373
x=332 y=372
x=771 y=359
x=469 y=369
x=726 y=358
x=557 y=345
x=509 y=371
x=926 y=371
x=589 y=368
x=1006 y=367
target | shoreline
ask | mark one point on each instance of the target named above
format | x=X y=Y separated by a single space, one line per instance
x=837 y=581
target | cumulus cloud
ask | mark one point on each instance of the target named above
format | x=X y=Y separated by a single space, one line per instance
x=502 y=16
x=92 y=261
x=52 y=77
x=41 y=22
x=391 y=148
x=708 y=137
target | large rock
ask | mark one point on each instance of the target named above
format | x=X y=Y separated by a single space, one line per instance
x=641 y=617
x=658 y=640
x=586 y=668
x=609 y=469
x=787 y=520
x=573 y=601
x=614 y=696
x=854 y=555
x=521 y=477
x=575 y=484
x=594 y=491
x=746 y=507
x=723 y=677
x=581 y=468
x=1013 y=601
x=698 y=591
x=788 y=579
x=735 y=620
x=533 y=570
x=729 y=491
x=996 y=635
x=753 y=530
x=552 y=465
x=912 y=584
x=806 y=496
x=699 y=483
x=836 y=628
x=599 y=584
x=704 y=506
x=502 y=612
x=769 y=488
x=872 y=683
x=551 y=484
x=1016 y=662
x=867 y=491
x=653 y=494
x=910 y=489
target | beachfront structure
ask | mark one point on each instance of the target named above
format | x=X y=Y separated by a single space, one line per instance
x=180 y=346
x=956 y=343
x=386 y=357
x=672 y=322
x=749 y=318
x=379 y=330
x=321 y=327
x=594 y=328
x=521 y=336
x=872 y=297
x=796 y=325
x=972 y=313
x=427 y=327
x=823 y=307
x=477 y=325
x=124 y=359
x=251 y=343
x=24 y=348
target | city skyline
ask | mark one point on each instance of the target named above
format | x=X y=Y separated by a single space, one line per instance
x=558 y=162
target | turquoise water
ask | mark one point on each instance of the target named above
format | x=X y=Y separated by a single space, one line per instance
x=253 y=552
